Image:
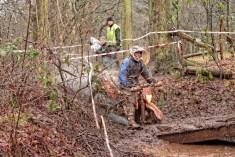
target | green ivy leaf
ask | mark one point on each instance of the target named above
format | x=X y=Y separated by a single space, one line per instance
x=232 y=18
x=211 y=77
x=18 y=40
x=39 y=77
x=221 y=6
x=190 y=1
x=19 y=58
x=32 y=53
x=52 y=95
x=177 y=75
x=54 y=106
x=3 y=52
x=226 y=84
x=86 y=69
x=44 y=66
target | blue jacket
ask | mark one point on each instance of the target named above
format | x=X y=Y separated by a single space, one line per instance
x=131 y=70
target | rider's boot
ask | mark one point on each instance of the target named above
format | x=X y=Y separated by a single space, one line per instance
x=131 y=120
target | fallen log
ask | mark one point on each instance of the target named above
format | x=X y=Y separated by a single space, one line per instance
x=198 y=129
x=216 y=72
x=193 y=40
x=118 y=119
x=196 y=54
x=192 y=63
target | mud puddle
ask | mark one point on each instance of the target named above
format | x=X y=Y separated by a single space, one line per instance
x=193 y=150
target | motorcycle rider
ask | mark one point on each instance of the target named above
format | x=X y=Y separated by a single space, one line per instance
x=131 y=69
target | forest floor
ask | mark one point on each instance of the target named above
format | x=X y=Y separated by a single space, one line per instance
x=43 y=132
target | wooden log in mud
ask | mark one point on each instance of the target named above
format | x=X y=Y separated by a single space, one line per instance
x=196 y=54
x=118 y=119
x=193 y=40
x=192 y=63
x=198 y=129
x=216 y=72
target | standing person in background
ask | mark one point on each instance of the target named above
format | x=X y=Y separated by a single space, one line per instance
x=106 y=59
x=113 y=39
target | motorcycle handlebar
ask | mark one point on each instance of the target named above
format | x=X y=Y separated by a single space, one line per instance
x=139 y=87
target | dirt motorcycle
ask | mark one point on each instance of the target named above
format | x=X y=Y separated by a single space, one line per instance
x=144 y=106
x=113 y=101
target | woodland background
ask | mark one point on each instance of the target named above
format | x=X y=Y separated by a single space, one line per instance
x=38 y=37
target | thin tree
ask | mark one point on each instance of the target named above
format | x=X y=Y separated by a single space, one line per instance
x=228 y=15
x=126 y=27
x=41 y=21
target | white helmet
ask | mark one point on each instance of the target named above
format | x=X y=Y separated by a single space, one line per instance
x=135 y=49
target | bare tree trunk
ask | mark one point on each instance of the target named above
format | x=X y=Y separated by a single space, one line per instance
x=228 y=14
x=214 y=55
x=221 y=39
x=126 y=23
x=56 y=22
x=159 y=17
x=42 y=21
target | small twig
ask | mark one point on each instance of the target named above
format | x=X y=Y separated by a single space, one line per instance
x=59 y=67
x=92 y=99
x=27 y=34
x=106 y=67
x=106 y=137
x=59 y=12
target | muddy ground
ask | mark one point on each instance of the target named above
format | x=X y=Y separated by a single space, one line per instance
x=73 y=132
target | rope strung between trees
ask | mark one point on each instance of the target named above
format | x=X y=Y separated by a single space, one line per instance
x=122 y=51
x=135 y=39
x=150 y=33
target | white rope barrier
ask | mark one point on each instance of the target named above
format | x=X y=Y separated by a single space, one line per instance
x=160 y=32
x=135 y=39
x=122 y=51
